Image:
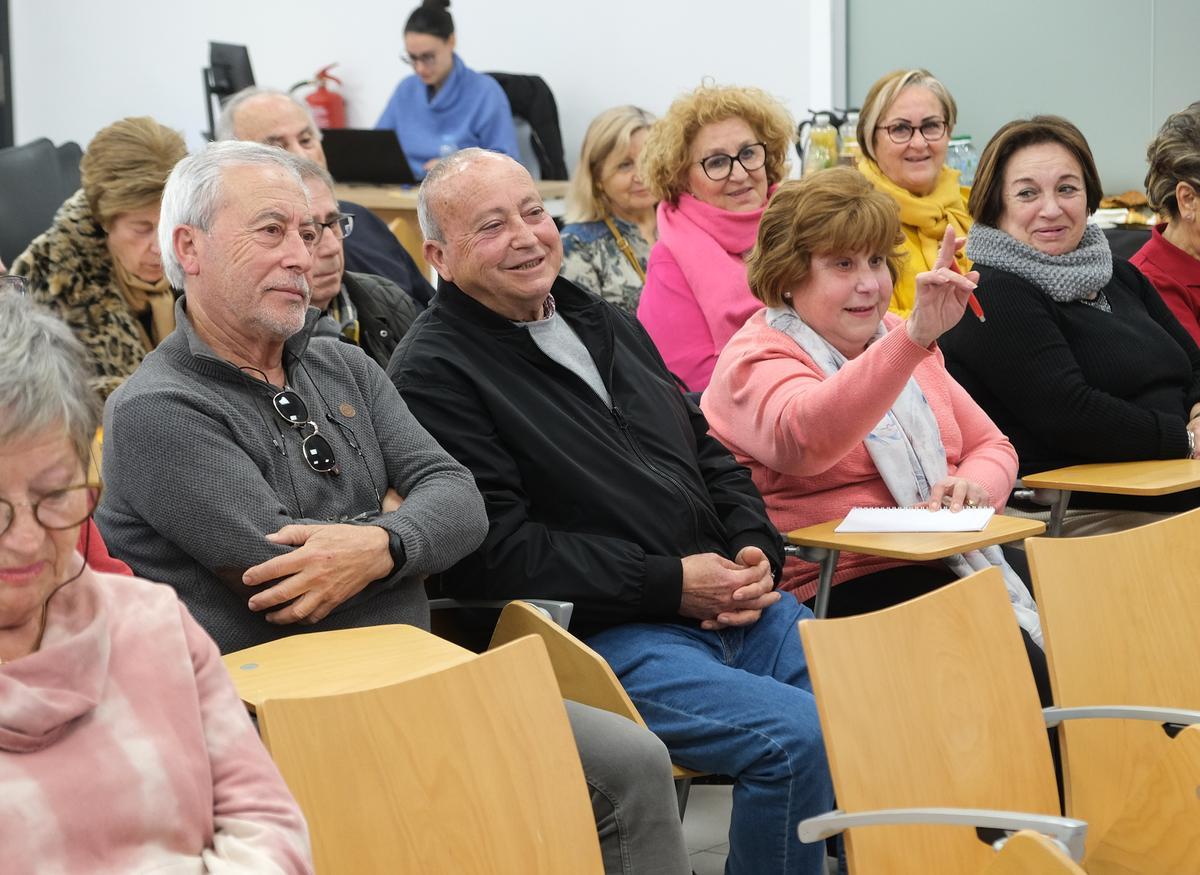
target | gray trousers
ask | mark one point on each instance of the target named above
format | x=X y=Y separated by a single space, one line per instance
x=628 y=772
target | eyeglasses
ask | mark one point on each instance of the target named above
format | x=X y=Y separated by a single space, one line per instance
x=901 y=132
x=718 y=167
x=15 y=284
x=344 y=223
x=61 y=509
x=317 y=451
x=422 y=60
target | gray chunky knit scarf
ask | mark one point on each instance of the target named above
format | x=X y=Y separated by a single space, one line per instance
x=1073 y=276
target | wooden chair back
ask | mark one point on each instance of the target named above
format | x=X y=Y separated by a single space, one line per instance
x=1119 y=614
x=467 y=769
x=930 y=703
x=1031 y=853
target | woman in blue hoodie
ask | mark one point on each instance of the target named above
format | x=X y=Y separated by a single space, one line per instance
x=445 y=106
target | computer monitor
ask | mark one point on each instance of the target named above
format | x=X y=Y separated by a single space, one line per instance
x=230 y=66
x=227 y=73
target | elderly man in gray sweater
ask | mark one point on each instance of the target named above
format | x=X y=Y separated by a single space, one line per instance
x=257 y=469
x=278 y=481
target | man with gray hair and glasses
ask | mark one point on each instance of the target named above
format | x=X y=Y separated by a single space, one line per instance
x=276 y=118
x=257 y=469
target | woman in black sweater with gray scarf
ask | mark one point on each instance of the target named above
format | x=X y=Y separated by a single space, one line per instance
x=1079 y=359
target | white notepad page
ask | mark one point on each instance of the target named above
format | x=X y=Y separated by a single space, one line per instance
x=915 y=519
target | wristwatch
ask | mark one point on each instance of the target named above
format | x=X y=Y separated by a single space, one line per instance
x=1191 y=443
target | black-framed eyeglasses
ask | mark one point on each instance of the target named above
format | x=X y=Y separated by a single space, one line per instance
x=61 y=509
x=16 y=284
x=901 y=132
x=718 y=167
x=422 y=60
x=343 y=223
x=317 y=451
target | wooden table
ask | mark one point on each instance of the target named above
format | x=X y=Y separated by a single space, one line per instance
x=1154 y=477
x=821 y=544
x=397 y=205
x=338 y=661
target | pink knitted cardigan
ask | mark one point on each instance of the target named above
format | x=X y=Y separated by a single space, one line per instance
x=696 y=295
x=801 y=433
x=124 y=748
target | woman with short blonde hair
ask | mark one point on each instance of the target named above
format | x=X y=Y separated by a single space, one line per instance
x=98 y=266
x=610 y=212
x=904 y=132
x=1170 y=259
x=712 y=161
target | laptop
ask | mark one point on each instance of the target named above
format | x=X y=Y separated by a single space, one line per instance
x=366 y=155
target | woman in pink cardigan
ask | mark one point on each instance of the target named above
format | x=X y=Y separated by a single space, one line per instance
x=833 y=403
x=123 y=746
x=711 y=162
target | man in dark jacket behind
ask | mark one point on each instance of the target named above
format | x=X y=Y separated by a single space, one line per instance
x=361 y=308
x=604 y=488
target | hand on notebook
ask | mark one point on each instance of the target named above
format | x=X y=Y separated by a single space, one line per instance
x=957 y=493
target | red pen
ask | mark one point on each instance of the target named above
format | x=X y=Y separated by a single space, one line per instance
x=972 y=301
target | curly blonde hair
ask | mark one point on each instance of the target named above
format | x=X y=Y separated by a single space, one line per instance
x=126 y=166
x=608 y=134
x=834 y=211
x=667 y=155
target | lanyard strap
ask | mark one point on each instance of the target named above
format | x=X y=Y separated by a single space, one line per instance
x=625 y=248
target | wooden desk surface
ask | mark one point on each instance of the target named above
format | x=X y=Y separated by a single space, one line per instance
x=916 y=546
x=392 y=198
x=1155 y=477
x=338 y=661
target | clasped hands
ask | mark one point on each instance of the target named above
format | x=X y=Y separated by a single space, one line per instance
x=331 y=563
x=721 y=592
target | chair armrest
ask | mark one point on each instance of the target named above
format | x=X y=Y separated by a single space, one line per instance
x=559 y=612
x=1055 y=716
x=1067 y=831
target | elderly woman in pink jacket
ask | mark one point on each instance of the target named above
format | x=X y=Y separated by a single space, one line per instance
x=712 y=162
x=834 y=403
x=123 y=746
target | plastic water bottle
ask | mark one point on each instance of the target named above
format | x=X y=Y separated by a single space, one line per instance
x=961 y=155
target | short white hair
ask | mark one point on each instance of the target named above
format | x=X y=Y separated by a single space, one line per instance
x=451 y=165
x=226 y=124
x=193 y=191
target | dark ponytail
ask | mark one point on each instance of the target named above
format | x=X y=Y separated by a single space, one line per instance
x=431 y=18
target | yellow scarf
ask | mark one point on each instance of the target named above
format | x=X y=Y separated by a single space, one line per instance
x=923 y=220
x=140 y=296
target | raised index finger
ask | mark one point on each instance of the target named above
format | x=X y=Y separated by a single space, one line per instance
x=946 y=251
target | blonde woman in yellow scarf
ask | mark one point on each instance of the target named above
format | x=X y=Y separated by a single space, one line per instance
x=903 y=131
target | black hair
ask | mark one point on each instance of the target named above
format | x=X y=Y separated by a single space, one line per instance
x=431 y=18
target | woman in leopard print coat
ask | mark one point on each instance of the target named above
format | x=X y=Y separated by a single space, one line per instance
x=98 y=266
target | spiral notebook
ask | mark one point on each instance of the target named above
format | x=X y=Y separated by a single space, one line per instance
x=915 y=519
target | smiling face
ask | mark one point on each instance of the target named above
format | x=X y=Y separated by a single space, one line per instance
x=247 y=273
x=133 y=241
x=1045 y=201
x=742 y=190
x=431 y=56
x=275 y=120
x=844 y=297
x=34 y=560
x=501 y=246
x=620 y=182
x=915 y=165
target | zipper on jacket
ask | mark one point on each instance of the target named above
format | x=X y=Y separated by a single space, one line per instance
x=623 y=425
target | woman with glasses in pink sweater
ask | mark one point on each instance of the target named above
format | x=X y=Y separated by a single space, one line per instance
x=123 y=746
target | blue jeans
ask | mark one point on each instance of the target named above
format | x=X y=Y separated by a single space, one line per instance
x=736 y=702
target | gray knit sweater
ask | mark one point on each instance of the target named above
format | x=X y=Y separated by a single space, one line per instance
x=198 y=467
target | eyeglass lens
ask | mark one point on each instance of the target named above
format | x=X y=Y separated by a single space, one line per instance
x=62 y=509
x=718 y=167
x=318 y=452
x=15 y=284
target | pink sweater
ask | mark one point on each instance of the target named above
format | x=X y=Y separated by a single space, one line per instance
x=124 y=748
x=696 y=294
x=802 y=434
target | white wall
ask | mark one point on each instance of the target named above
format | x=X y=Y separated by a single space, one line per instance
x=79 y=66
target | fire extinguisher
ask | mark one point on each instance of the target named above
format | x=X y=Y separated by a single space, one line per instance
x=328 y=107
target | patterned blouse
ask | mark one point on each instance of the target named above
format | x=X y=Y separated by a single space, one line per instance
x=593 y=261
